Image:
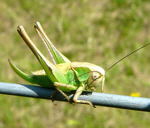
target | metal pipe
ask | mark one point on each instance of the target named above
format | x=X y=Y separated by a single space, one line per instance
x=99 y=99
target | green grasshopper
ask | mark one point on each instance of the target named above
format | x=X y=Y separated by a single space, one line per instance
x=62 y=74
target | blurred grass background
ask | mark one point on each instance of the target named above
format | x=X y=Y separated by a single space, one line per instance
x=96 y=31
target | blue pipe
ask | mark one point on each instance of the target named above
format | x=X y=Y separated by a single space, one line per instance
x=99 y=99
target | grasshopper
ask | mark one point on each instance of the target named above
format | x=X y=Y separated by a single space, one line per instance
x=61 y=73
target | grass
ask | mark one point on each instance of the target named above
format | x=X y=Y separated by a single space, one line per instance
x=99 y=32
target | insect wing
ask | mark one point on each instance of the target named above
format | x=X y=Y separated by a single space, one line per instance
x=83 y=73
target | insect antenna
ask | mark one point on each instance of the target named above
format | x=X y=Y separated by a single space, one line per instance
x=145 y=45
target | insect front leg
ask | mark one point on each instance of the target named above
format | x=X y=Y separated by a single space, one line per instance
x=78 y=93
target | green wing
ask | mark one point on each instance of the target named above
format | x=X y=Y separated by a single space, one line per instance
x=83 y=73
x=78 y=76
x=56 y=56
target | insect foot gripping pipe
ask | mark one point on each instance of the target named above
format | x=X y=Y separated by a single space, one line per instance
x=103 y=99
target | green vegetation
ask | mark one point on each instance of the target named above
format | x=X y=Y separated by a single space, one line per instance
x=95 y=31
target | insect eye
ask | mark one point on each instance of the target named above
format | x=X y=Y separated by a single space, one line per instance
x=95 y=76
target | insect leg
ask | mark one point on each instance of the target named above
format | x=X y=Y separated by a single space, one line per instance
x=77 y=94
x=56 y=56
x=71 y=87
x=64 y=94
x=67 y=86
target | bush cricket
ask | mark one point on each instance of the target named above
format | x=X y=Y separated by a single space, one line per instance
x=61 y=73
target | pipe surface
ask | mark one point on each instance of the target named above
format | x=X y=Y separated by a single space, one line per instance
x=98 y=99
